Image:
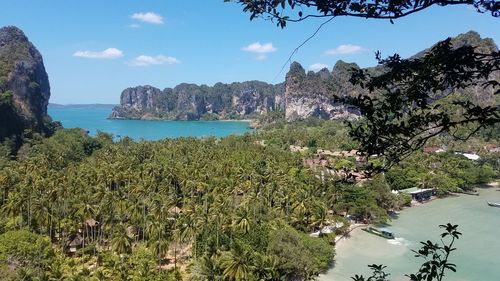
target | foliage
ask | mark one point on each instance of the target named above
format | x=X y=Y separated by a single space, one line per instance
x=446 y=172
x=230 y=192
x=6 y=98
x=378 y=274
x=209 y=117
x=225 y=207
x=66 y=146
x=403 y=178
x=386 y=9
x=407 y=105
x=311 y=132
x=25 y=251
x=298 y=253
x=437 y=256
x=410 y=106
x=10 y=119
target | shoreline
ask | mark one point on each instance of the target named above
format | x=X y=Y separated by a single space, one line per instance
x=354 y=230
x=173 y=120
x=346 y=235
x=343 y=237
x=231 y=120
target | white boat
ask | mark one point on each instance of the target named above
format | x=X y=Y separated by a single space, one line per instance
x=494 y=204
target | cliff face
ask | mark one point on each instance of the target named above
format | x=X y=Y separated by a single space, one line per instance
x=193 y=102
x=302 y=95
x=478 y=94
x=24 y=85
x=311 y=94
x=133 y=101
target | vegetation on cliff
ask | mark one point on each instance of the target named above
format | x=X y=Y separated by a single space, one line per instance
x=347 y=92
x=193 y=102
x=24 y=89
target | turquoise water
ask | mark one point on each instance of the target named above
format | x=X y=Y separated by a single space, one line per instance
x=478 y=250
x=93 y=118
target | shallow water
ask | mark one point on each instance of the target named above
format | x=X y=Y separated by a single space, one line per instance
x=478 y=250
x=93 y=118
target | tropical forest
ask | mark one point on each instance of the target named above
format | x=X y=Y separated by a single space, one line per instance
x=276 y=180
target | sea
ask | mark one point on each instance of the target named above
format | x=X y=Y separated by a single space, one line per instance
x=93 y=118
x=478 y=250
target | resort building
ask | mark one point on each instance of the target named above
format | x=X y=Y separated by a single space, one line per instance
x=419 y=194
x=433 y=149
x=469 y=155
x=492 y=148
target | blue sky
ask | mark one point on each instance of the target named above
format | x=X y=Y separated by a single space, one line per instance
x=93 y=49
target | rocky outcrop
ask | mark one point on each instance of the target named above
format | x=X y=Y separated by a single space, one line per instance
x=311 y=94
x=477 y=93
x=138 y=101
x=24 y=85
x=302 y=95
x=194 y=102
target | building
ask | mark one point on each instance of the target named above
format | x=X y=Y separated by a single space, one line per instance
x=74 y=243
x=419 y=194
x=492 y=148
x=469 y=155
x=433 y=149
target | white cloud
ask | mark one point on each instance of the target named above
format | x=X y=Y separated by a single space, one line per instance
x=144 y=60
x=258 y=48
x=346 y=49
x=148 y=17
x=109 y=53
x=317 y=66
x=261 y=50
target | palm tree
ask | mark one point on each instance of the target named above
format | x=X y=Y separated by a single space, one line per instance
x=85 y=211
x=13 y=206
x=237 y=264
x=267 y=268
x=241 y=220
x=205 y=268
x=121 y=241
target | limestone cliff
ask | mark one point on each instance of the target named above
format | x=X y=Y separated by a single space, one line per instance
x=193 y=102
x=24 y=85
x=302 y=95
x=311 y=94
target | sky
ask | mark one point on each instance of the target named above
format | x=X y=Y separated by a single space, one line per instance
x=94 y=49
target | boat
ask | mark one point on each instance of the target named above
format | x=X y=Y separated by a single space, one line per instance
x=494 y=204
x=380 y=232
